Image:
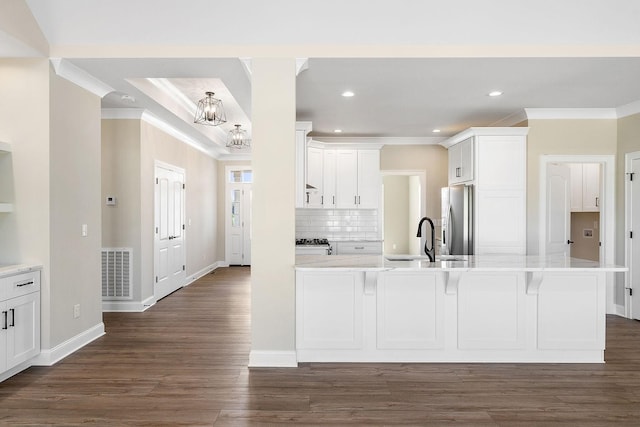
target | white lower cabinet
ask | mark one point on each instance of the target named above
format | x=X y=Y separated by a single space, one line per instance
x=19 y=321
x=346 y=315
x=329 y=307
x=409 y=311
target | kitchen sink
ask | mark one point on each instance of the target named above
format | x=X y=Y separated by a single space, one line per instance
x=402 y=257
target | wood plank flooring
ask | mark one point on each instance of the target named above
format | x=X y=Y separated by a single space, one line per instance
x=183 y=362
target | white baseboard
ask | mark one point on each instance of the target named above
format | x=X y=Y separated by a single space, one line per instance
x=203 y=272
x=619 y=310
x=49 y=357
x=273 y=359
x=223 y=264
x=128 y=306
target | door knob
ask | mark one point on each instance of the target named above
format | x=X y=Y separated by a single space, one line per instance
x=569 y=242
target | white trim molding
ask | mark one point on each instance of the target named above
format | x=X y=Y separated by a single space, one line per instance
x=377 y=141
x=122 y=113
x=570 y=113
x=128 y=306
x=480 y=131
x=628 y=109
x=67 y=70
x=50 y=357
x=273 y=359
x=203 y=272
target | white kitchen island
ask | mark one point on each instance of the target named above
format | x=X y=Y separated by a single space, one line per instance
x=480 y=309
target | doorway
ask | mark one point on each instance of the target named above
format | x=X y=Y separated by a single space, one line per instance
x=632 y=243
x=403 y=204
x=238 y=202
x=555 y=210
x=169 y=253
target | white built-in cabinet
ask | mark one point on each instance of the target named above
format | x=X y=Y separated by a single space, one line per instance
x=342 y=178
x=5 y=177
x=19 y=321
x=585 y=187
x=329 y=178
x=461 y=161
x=314 y=183
x=358 y=179
x=493 y=161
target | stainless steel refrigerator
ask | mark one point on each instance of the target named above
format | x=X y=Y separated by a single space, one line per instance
x=457 y=220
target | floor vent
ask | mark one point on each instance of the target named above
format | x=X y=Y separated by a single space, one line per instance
x=116 y=273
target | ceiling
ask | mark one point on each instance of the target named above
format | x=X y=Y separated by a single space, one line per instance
x=394 y=97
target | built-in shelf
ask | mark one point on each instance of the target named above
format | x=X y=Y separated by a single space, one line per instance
x=5 y=147
x=6 y=207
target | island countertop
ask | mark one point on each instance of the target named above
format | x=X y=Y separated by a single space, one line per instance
x=13 y=269
x=526 y=263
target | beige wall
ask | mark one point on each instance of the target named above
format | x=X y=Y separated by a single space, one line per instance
x=560 y=137
x=130 y=149
x=273 y=213
x=75 y=200
x=25 y=233
x=121 y=179
x=433 y=159
x=396 y=214
x=583 y=246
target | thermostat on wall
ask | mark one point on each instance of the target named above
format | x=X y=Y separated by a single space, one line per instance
x=111 y=201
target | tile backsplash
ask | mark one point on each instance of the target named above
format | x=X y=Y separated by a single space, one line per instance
x=338 y=224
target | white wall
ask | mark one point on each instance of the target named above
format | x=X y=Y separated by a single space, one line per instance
x=273 y=248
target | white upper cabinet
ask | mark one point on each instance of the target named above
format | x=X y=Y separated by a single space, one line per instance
x=302 y=129
x=329 y=179
x=461 y=162
x=585 y=187
x=314 y=195
x=358 y=179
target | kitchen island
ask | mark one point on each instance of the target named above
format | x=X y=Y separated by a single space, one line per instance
x=499 y=308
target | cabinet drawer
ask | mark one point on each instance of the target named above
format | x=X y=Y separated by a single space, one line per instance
x=368 y=248
x=20 y=284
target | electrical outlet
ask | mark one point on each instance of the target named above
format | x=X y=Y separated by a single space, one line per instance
x=76 y=311
x=84 y=230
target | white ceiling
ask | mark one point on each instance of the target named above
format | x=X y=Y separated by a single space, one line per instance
x=395 y=97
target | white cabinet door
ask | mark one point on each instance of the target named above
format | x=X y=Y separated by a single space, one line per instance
x=314 y=177
x=369 y=181
x=23 y=328
x=576 y=186
x=346 y=179
x=329 y=310
x=410 y=311
x=461 y=162
x=591 y=187
x=301 y=149
x=4 y=328
x=329 y=179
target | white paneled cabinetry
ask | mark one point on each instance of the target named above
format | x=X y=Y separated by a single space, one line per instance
x=19 y=321
x=585 y=187
x=342 y=178
x=493 y=160
x=358 y=179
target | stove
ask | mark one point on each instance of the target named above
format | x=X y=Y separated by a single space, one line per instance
x=313 y=247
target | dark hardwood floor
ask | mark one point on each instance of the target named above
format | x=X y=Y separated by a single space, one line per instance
x=184 y=362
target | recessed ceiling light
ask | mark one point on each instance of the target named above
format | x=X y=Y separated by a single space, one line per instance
x=495 y=93
x=347 y=94
x=436 y=131
x=337 y=130
x=127 y=98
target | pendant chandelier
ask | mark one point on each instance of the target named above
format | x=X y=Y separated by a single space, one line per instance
x=210 y=111
x=237 y=138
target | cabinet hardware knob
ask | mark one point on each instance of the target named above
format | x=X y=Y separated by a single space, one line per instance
x=597 y=202
x=13 y=317
x=24 y=284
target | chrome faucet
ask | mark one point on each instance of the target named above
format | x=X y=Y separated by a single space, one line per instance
x=429 y=251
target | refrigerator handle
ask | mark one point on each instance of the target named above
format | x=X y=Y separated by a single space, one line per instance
x=449 y=231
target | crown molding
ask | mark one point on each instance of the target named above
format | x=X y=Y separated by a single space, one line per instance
x=570 y=113
x=378 y=142
x=512 y=119
x=628 y=109
x=122 y=113
x=67 y=70
x=485 y=131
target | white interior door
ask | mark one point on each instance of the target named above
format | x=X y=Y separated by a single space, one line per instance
x=634 y=242
x=558 y=212
x=238 y=217
x=169 y=237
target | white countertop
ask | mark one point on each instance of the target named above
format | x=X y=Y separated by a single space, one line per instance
x=13 y=269
x=530 y=263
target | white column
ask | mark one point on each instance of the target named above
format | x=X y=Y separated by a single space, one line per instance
x=273 y=84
